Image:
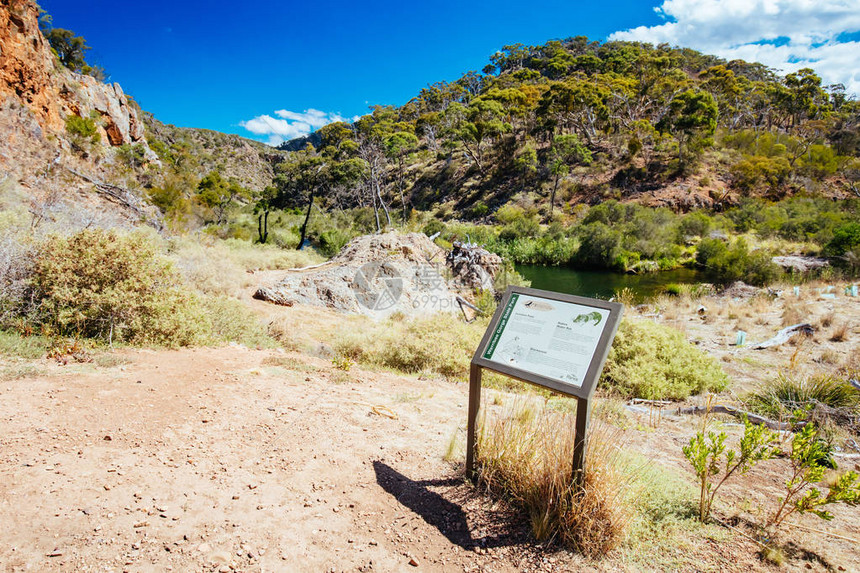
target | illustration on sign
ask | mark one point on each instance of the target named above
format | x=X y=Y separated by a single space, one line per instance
x=554 y=339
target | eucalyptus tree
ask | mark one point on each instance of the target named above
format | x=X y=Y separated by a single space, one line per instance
x=566 y=151
x=691 y=114
x=218 y=194
x=474 y=126
x=299 y=179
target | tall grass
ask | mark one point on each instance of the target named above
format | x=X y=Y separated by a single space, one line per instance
x=440 y=343
x=525 y=455
x=221 y=267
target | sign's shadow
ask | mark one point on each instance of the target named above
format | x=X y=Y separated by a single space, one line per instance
x=446 y=516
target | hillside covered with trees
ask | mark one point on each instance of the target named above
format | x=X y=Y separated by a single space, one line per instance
x=613 y=155
x=545 y=131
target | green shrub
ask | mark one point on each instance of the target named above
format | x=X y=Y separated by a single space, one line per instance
x=707 y=457
x=331 y=241
x=651 y=361
x=696 y=224
x=811 y=456
x=736 y=262
x=102 y=284
x=756 y=171
x=600 y=246
x=433 y=227
x=133 y=155
x=478 y=210
x=845 y=238
x=673 y=289
x=82 y=128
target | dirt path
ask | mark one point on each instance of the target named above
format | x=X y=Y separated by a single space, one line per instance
x=220 y=459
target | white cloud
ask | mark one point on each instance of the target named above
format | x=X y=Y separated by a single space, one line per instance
x=783 y=34
x=289 y=124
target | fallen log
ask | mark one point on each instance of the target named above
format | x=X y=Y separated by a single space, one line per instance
x=739 y=414
x=784 y=335
x=466 y=304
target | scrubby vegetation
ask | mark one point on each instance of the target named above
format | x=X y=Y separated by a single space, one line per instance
x=646 y=360
x=810 y=455
x=714 y=463
x=785 y=396
x=114 y=286
x=99 y=284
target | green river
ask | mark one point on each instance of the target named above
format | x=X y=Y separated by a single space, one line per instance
x=604 y=284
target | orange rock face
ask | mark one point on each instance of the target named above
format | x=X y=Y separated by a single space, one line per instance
x=27 y=64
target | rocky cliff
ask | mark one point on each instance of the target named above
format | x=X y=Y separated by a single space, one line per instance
x=31 y=76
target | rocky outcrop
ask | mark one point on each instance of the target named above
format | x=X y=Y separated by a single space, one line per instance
x=119 y=120
x=375 y=275
x=378 y=275
x=31 y=76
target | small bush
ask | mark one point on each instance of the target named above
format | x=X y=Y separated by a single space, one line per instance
x=714 y=464
x=845 y=238
x=101 y=284
x=810 y=457
x=651 y=361
x=736 y=262
x=332 y=241
x=82 y=128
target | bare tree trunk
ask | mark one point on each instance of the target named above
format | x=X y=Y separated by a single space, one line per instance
x=304 y=231
x=382 y=202
x=400 y=189
x=375 y=206
x=263 y=226
x=552 y=196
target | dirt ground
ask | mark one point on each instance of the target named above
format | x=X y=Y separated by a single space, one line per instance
x=223 y=459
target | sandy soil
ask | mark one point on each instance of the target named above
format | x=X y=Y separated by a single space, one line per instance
x=265 y=460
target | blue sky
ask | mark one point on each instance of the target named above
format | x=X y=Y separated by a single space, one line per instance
x=256 y=68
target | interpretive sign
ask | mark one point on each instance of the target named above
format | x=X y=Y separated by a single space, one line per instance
x=550 y=339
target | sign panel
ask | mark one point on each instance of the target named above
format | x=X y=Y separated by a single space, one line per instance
x=550 y=339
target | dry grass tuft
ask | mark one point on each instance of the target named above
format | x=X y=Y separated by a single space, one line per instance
x=840 y=333
x=524 y=455
x=795 y=313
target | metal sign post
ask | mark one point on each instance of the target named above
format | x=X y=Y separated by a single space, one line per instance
x=553 y=340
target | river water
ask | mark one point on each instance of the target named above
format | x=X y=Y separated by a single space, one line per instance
x=604 y=284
